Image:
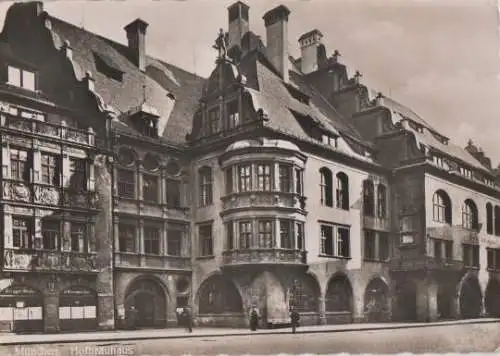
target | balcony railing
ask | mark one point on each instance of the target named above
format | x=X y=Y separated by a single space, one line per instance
x=425 y=263
x=160 y=262
x=49 y=261
x=263 y=199
x=48 y=195
x=41 y=128
x=265 y=256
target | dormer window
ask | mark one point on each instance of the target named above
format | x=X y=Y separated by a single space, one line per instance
x=329 y=140
x=21 y=78
x=213 y=121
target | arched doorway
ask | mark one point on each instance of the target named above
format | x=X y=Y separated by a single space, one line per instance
x=148 y=298
x=376 y=301
x=78 y=309
x=492 y=298
x=21 y=309
x=338 y=300
x=218 y=295
x=406 y=300
x=470 y=298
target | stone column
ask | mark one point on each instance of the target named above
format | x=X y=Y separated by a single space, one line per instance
x=105 y=311
x=51 y=312
x=164 y=240
x=322 y=311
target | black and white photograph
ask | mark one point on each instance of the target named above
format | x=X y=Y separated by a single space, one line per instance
x=255 y=177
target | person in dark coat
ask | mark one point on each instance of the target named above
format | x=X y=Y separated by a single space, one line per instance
x=132 y=318
x=295 y=318
x=254 y=318
x=187 y=319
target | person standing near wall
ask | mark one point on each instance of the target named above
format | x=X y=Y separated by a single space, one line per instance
x=254 y=318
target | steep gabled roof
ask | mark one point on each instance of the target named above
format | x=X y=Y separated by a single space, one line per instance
x=173 y=92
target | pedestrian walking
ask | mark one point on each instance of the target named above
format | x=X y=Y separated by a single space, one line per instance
x=132 y=318
x=178 y=312
x=295 y=318
x=254 y=318
x=187 y=319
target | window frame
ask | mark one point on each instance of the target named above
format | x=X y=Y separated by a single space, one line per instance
x=152 y=239
x=205 y=183
x=206 y=243
x=127 y=188
x=336 y=241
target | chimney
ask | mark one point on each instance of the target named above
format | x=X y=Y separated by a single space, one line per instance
x=238 y=23
x=276 y=21
x=310 y=43
x=136 y=36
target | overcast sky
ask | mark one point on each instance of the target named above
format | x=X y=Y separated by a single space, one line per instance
x=439 y=57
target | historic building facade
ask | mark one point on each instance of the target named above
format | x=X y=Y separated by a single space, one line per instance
x=129 y=183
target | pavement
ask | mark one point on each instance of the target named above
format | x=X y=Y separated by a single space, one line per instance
x=180 y=333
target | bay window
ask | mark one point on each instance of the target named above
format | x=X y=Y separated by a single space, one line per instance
x=264 y=177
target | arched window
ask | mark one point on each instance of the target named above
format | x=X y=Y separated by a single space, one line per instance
x=469 y=215
x=205 y=181
x=342 y=191
x=382 y=201
x=368 y=198
x=326 y=187
x=441 y=207
x=489 y=218
x=497 y=220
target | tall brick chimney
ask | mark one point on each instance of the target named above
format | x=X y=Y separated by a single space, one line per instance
x=136 y=36
x=276 y=21
x=238 y=23
x=310 y=43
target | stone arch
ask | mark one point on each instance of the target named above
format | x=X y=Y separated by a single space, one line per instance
x=492 y=298
x=406 y=300
x=78 y=308
x=217 y=294
x=305 y=293
x=377 y=300
x=470 y=297
x=148 y=296
x=339 y=299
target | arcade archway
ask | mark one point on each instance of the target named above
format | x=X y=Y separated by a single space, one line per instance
x=218 y=295
x=406 y=301
x=470 y=298
x=377 y=301
x=492 y=298
x=148 y=298
x=338 y=300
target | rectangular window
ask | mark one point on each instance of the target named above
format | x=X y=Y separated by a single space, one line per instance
x=206 y=193
x=265 y=233
x=206 y=241
x=229 y=180
x=22 y=232
x=245 y=231
x=152 y=240
x=490 y=259
x=299 y=181
x=343 y=242
x=438 y=250
x=264 y=177
x=50 y=234
x=384 y=247
x=286 y=234
x=126 y=183
x=19 y=165
x=174 y=241
x=335 y=241
x=370 y=241
x=245 y=178
x=78 y=174
x=150 y=188
x=173 y=193
x=214 y=121
x=126 y=237
x=50 y=169
x=229 y=236
x=448 y=250
x=233 y=115
x=327 y=240
x=14 y=76
x=285 y=178
x=28 y=80
x=470 y=255
x=78 y=237
x=299 y=233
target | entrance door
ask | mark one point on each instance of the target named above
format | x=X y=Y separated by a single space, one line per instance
x=146 y=296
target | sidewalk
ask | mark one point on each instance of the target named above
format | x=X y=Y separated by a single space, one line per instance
x=174 y=333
